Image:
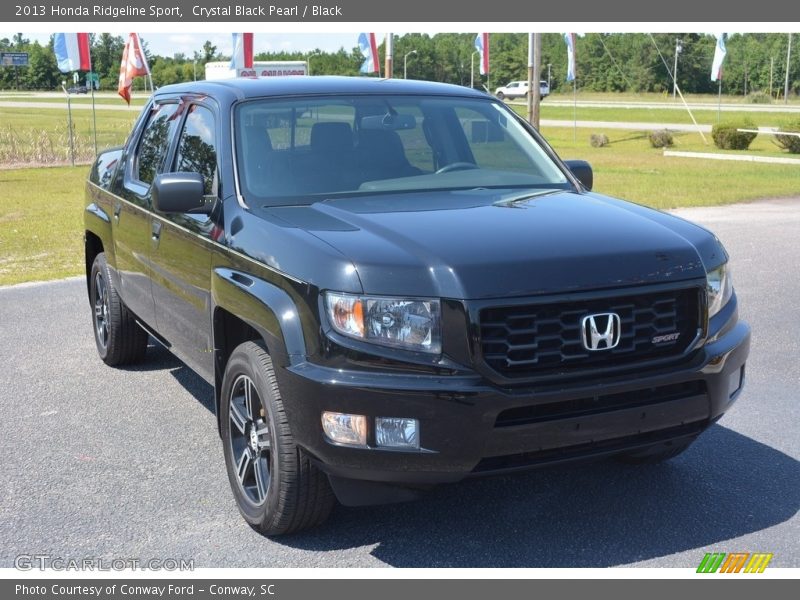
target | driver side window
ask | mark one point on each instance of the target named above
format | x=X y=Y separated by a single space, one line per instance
x=197 y=148
x=154 y=143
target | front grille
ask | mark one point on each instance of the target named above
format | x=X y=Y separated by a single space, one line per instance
x=592 y=405
x=546 y=338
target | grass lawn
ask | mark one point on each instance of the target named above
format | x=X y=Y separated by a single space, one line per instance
x=41 y=136
x=660 y=115
x=629 y=168
x=665 y=98
x=41 y=223
x=105 y=96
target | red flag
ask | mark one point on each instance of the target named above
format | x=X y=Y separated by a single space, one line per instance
x=72 y=52
x=134 y=64
x=242 y=57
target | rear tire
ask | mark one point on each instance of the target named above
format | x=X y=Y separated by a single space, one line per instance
x=277 y=488
x=665 y=452
x=119 y=339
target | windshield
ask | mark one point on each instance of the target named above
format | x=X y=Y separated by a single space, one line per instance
x=302 y=150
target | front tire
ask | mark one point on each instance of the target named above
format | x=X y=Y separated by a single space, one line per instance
x=277 y=488
x=500 y=95
x=119 y=339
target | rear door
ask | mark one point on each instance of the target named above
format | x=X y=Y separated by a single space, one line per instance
x=131 y=212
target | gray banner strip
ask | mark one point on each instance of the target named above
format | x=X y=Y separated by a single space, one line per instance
x=496 y=11
x=382 y=589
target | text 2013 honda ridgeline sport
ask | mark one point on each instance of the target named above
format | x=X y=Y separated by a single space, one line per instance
x=393 y=284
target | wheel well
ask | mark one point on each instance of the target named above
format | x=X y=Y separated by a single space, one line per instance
x=229 y=332
x=93 y=246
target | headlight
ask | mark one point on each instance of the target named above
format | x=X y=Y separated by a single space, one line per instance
x=719 y=289
x=413 y=324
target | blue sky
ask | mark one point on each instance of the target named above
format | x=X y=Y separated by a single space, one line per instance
x=167 y=44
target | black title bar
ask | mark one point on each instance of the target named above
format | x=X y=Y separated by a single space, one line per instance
x=745 y=12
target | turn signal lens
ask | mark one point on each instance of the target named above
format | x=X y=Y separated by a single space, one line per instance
x=342 y=428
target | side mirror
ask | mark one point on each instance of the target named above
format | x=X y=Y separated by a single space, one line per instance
x=582 y=171
x=180 y=193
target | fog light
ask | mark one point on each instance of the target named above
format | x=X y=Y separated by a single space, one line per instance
x=341 y=428
x=392 y=432
x=735 y=382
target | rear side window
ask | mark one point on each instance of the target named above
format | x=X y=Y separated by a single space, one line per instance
x=154 y=143
x=197 y=147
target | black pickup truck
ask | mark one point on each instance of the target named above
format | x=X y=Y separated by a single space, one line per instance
x=394 y=284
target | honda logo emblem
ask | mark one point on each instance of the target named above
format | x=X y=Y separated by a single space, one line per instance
x=600 y=331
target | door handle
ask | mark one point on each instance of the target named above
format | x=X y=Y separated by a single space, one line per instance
x=156 y=230
x=117 y=210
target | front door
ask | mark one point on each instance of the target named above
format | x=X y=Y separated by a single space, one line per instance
x=131 y=217
x=182 y=248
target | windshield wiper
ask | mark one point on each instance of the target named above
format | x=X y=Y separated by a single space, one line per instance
x=516 y=199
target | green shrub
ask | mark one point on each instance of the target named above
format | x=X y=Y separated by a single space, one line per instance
x=598 y=140
x=759 y=98
x=790 y=142
x=660 y=139
x=727 y=137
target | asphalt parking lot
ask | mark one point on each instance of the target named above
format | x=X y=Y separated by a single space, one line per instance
x=109 y=463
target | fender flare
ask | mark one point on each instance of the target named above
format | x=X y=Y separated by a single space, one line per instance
x=265 y=307
x=97 y=222
x=249 y=297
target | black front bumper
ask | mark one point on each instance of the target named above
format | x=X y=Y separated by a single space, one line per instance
x=469 y=427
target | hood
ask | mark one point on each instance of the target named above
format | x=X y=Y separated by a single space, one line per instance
x=480 y=244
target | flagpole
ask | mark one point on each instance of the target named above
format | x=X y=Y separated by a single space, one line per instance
x=69 y=124
x=94 y=111
x=719 y=96
x=94 y=120
x=575 y=109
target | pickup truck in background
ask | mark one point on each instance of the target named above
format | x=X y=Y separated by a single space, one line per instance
x=394 y=284
x=519 y=89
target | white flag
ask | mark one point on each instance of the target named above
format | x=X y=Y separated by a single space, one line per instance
x=719 y=57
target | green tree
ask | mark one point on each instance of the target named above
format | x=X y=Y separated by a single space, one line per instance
x=106 y=59
x=209 y=52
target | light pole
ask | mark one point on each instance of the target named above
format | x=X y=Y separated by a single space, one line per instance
x=788 y=62
x=308 y=60
x=194 y=69
x=472 y=69
x=678 y=49
x=548 y=75
x=405 y=63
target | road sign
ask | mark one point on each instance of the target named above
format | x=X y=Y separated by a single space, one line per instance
x=93 y=80
x=14 y=59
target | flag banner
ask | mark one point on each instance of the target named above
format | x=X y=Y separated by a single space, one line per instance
x=369 y=49
x=72 y=52
x=242 y=56
x=719 y=57
x=569 y=38
x=133 y=64
x=482 y=46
